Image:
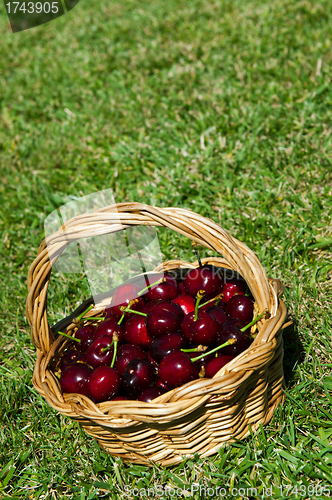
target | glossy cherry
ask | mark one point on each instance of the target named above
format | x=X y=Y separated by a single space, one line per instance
x=166 y=290
x=138 y=376
x=241 y=307
x=202 y=330
x=186 y=302
x=107 y=328
x=100 y=352
x=207 y=278
x=75 y=378
x=103 y=384
x=165 y=345
x=85 y=334
x=125 y=354
x=136 y=332
x=122 y=296
x=149 y=394
x=162 y=319
x=242 y=343
x=177 y=369
x=71 y=356
x=233 y=286
x=218 y=313
x=215 y=364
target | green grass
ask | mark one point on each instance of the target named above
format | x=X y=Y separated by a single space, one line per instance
x=218 y=106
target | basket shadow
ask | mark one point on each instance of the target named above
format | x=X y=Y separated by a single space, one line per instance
x=294 y=353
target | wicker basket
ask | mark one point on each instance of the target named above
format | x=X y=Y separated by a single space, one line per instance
x=199 y=416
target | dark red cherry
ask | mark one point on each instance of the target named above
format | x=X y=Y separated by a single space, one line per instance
x=233 y=286
x=103 y=384
x=167 y=290
x=149 y=394
x=186 y=302
x=161 y=321
x=215 y=364
x=85 y=334
x=207 y=278
x=138 y=376
x=201 y=331
x=241 y=307
x=165 y=305
x=218 y=313
x=107 y=328
x=122 y=296
x=75 y=378
x=150 y=305
x=119 y=398
x=136 y=332
x=166 y=344
x=242 y=343
x=71 y=357
x=177 y=369
x=125 y=354
x=181 y=289
x=100 y=352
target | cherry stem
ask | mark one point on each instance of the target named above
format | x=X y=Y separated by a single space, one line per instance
x=217 y=299
x=115 y=340
x=253 y=322
x=195 y=349
x=121 y=319
x=128 y=310
x=200 y=294
x=229 y=342
x=161 y=280
x=70 y=337
x=84 y=313
x=104 y=349
x=94 y=318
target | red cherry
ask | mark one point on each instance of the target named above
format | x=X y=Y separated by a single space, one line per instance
x=166 y=344
x=167 y=290
x=218 y=313
x=241 y=307
x=104 y=383
x=161 y=321
x=215 y=364
x=242 y=343
x=125 y=354
x=205 y=278
x=119 y=398
x=100 y=352
x=201 y=331
x=107 y=328
x=85 y=334
x=149 y=394
x=186 y=302
x=150 y=305
x=136 y=332
x=75 y=379
x=71 y=357
x=138 y=376
x=233 y=286
x=122 y=296
x=176 y=369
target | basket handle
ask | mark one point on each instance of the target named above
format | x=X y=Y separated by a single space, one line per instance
x=200 y=229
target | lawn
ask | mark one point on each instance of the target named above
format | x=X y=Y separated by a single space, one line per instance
x=222 y=107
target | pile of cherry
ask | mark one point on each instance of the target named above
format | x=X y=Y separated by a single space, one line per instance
x=171 y=334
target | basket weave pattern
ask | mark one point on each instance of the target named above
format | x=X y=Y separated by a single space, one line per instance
x=199 y=416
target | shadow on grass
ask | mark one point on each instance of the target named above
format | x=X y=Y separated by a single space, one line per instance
x=294 y=353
